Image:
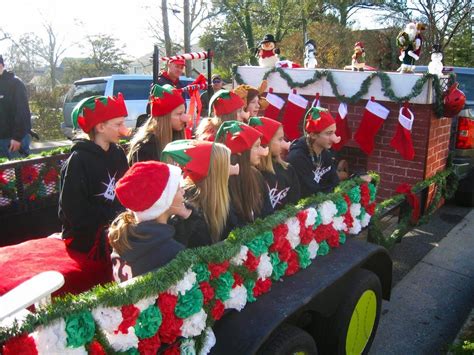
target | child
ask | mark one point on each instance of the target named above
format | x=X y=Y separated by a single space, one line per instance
x=252 y=99
x=206 y=167
x=87 y=201
x=280 y=177
x=227 y=106
x=314 y=163
x=166 y=124
x=247 y=190
x=141 y=238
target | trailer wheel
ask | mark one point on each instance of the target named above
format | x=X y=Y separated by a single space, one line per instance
x=351 y=330
x=289 y=339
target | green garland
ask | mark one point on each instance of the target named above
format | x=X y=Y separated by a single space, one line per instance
x=444 y=183
x=364 y=88
x=151 y=284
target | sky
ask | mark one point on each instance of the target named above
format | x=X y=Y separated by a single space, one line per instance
x=126 y=20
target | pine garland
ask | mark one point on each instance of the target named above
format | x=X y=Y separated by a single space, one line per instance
x=364 y=88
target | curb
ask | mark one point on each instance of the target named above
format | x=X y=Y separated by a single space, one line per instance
x=467 y=327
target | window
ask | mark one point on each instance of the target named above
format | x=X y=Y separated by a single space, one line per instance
x=466 y=85
x=133 y=89
x=82 y=90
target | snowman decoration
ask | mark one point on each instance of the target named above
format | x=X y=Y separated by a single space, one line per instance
x=267 y=53
x=310 y=54
x=436 y=64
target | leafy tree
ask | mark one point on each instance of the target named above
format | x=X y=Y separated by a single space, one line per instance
x=106 y=54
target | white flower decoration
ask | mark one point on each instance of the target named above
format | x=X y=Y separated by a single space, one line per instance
x=185 y=284
x=338 y=224
x=265 y=267
x=145 y=303
x=365 y=221
x=355 y=210
x=293 y=232
x=313 y=247
x=311 y=217
x=356 y=227
x=194 y=325
x=108 y=318
x=238 y=298
x=121 y=341
x=327 y=210
x=241 y=257
x=209 y=342
x=52 y=339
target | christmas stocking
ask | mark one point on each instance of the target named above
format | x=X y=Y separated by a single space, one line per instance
x=294 y=112
x=373 y=118
x=275 y=105
x=401 y=141
x=342 y=127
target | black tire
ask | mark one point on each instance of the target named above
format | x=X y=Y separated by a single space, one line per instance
x=331 y=333
x=465 y=192
x=288 y=339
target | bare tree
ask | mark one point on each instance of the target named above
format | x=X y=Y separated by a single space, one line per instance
x=345 y=9
x=166 y=27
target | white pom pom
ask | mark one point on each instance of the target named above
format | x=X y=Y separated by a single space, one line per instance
x=52 y=339
x=145 y=303
x=265 y=267
x=121 y=341
x=293 y=235
x=311 y=218
x=238 y=298
x=108 y=318
x=365 y=221
x=185 y=284
x=241 y=257
x=355 y=210
x=194 y=325
x=338 y=224
x=356 y=227
x=327 y=210
x=313 y=247
x=209 y=342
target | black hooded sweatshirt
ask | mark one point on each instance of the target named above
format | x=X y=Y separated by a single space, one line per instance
x=15 y=116
x=283 y=186
x=154 y=249
x=313 y=179
x=87 y=198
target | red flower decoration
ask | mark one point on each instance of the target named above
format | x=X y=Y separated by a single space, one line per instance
x=51 y=176
x=167 y=303
x=364 y=195
x=96 y=349
x=130 y=314
x=348 y=219
x=23 y=344
x=149 y=346
x=252 y=261
x=280 y=232
x=170 y=328
x=280 y=243
x=173 y=350
x=370 y=209
x=333 y=239
x=293 y=263
x=261 y=287
x=301 y=216
x=218 y=269
x=207 y=291
x=348 y=200
x=238 y=280
x=307 y=234
x=29 y=174
x=218 y=310
x=3 y=181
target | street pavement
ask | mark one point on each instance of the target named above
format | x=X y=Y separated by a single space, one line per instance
x=433 y=289
x=36 y=147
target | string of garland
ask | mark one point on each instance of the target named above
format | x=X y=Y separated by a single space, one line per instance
x=444 y=185
x=364 y=88
x=151 y=284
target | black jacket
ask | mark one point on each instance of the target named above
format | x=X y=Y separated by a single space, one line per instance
x=193 y=231
x=164 y=79
x=15 y=116
x=155 y=249
x=87 y=198
x=146 y=150
x=283 y=186
x=313 y=179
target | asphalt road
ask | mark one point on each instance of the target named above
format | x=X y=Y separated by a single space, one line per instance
x=433 y=286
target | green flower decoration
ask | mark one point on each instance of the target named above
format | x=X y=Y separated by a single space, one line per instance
x=279 y=267
x=354 y=194
x=372 y=192
x=187 y=347
x=148 y=322
x=303 y=256
x=80 y=329
x=341 y=205
x=261 y=243
x=342 y=237
x=249 y=285
x=323 y=248
x=363 y=212
x=318 y=221
x=223 y=285
x=190 y=303
x=202 y=272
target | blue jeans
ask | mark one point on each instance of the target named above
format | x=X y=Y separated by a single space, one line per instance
x=24 y=150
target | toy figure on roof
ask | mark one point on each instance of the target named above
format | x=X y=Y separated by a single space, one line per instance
x=310 y=54
x=358 y=58
x=267 y=52
x=436 y=64
x=419 y=38
x=406 y=41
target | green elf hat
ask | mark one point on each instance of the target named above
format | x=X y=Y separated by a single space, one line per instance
x=225 y=102
x=237 y=136
x=267 y=126
x=193 y=156
x=318 y=119
x=93 y=110
x=164 y=99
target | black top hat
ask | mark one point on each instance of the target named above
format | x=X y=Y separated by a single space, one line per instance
x=310 y=41
x=268 y=38
x=436 y=48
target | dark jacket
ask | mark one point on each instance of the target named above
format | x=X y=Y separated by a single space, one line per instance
x=87 y=197
x=146 y=150
x=156 y=248
x=283 y=186
x=205 y=98
x=15 y=116
x=313 y=179
x=193 y=231
x=164 y=79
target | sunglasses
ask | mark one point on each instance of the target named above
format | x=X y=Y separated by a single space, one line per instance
x=217 y=81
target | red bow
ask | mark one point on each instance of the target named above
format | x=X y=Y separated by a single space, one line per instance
x=195 y=102
x=412 y=200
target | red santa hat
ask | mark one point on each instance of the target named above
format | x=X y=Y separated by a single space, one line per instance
x=237 y=136
x=164 y=99
x=225 y=102
x=96 y=109
x=318 y=119
x=266 y=126
x=148 y=188
x=177 y=61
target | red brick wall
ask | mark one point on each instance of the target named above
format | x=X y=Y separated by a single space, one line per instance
x=430 y=137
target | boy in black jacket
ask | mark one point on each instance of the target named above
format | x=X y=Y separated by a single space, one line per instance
x=87 y=202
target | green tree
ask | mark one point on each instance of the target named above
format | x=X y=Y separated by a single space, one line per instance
x=460 y=51
x=107 y=55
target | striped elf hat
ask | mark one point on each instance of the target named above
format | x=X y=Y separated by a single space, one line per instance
x=164 y=99
x=225 y=102
x=237 y=136
x=318 y=119
x=266 y=126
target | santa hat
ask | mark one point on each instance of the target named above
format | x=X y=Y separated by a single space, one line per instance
x=164 y=99
x=148 y=189
x=225 y=102
x=237 y=136
x=266 y=126
x=177 y=61
x=193 y=156
x=96 y=109
x=318 y=119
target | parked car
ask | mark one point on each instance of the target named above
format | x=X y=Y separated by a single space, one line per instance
x=462 y=135
x=135 y=89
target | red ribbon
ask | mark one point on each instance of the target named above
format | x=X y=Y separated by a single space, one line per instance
x=412 y=200
x=195 y=102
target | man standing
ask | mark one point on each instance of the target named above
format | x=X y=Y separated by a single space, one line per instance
x=15 y=116
x=172 y=74
x=217 y=84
